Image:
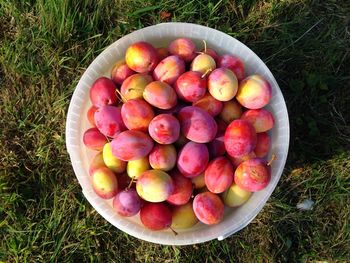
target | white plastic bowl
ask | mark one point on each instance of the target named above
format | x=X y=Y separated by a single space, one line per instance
x=160 y=35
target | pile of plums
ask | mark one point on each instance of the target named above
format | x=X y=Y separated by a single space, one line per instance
x=180 y=134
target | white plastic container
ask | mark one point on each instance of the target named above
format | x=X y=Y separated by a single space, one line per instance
x=160 y=35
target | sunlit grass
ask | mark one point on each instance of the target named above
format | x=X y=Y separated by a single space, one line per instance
x=45 y=46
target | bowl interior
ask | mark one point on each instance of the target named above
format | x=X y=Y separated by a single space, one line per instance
x=160 y=35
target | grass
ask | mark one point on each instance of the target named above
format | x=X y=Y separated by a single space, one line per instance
x=45 y=47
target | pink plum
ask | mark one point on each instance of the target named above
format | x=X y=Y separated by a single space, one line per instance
x=231 y=110
x=104 y=183
x=197 y=125
x=94 y=139
x=193 y=159
x=102 y=92
x=154 y=186
x=131 y=145
x=216 y=147
x=96 y=163
x=190 y=86
x=184 y=48
x=137 y=114
x=240 y=138
x=233 y=63
x=203 y=63
x=109 y=120
x=163 y=157
x=208 y=207
x=252 y=175
x=219 y=175
x=133 y=86
x=162 y=53
x=120 y=72
x=127 y=203
x=169 y=69
x=160 y=95
x=141 y=57
x=261 y=119
x=209 y=104
x=90 y=115
x=254 y=92
x=156 y=216
x=222 y=84
x=182 y=189
x=262 y=145
x=164 y=129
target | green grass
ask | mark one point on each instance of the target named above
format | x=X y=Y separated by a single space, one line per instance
x=45 y=46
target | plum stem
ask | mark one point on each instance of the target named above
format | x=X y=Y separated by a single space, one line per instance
x=206 y=72
x=131 y=182
x=205 y=46
x=175 y=233
x=120 y=96
x=273 y=157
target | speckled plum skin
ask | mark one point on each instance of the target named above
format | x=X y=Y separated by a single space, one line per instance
x=141 y=57
x=109 y=120
x=169 y=69
x=134 y=85
x=164 y=129
x=104 y=183
x=203 y=63
x=197 y=125
x=234 y=63
x=208 y=208
x=163 y=157
x=182 y=189
x=184 y=48
x=222 y=84
x=94 y=139
x=131 y=145
x=160 y=95
x=253 y=175
x=262 y=145
x=127 y=203
x=191 y=86
x=218 y=175
x=192 y=159
x=120 y=72
x=102 y=92
x=137 y=114
x=254 y=92
x=261 y=119
x=154 y=186
x=156 y=216
x=240 y=138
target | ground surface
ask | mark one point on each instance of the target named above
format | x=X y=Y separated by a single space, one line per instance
x=45 y=47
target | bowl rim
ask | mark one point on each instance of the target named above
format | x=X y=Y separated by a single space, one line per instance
x=74 y=154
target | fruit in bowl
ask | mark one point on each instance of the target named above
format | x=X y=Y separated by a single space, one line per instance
x=208 y=139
